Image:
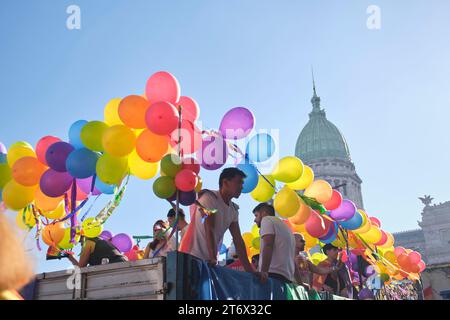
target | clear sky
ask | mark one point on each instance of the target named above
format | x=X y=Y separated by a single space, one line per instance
x=387 y=90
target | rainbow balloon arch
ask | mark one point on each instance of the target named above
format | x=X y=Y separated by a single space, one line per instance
x=50 y=184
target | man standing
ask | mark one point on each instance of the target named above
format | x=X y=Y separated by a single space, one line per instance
x=277 y=254
x=212 y=215
x=182 y=225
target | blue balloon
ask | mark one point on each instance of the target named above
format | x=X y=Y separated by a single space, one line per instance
x=75 y=134
x=104 y=188
x=223 y=249
x=3 y=158
x=81 y=163
x=354 y=223
x=260 y=148
x=251 y=181
x=331 y=235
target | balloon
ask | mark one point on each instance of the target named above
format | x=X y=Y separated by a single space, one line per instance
x=53 y=233
x=105 y=188
x=189 y=108
x=79 y=195
x=3 y=148
x=19 y=150
x=213 y=154
x=344 y=212
x=65 y=242
x=375 y=221
x=288 y=169
x=354 y=222
x=237 y=123
x=302 y=215
x=106 y=235
x=264 y=191
x=123 y=242
x=25 y=220
x=118 y=140
x=5 y=174
x=171 y=165
x=186 y=180
x=383 y=239
x=164 y=187
x=304 y=181
x=199 y=185
x=248 y=238
x=422 y=266
x=390 y=256
x=92 y=133
x=85 y=185
x=111 y=112
x=92 y=228
x=255 y=230
x=251 y=181
x=81 y=163
x=162 y=118
x=75 y=134
x=16 y=196
x=365 y=227
x=389 y=242
x=260 y=148
x=315 y=225
x=132 y=111
x=111 y=170
x=286 y=202
x=55 y=184
x=141 y=169
x=319 y=190
x=42 y=147
x=46 y=203
x=415 y=257
x=372 y=236
x=399 y=250
x=190 y=137
x=57 y=155
x=256 y=243
x=188 y=198
x=191 y=164
x=151 y=147
x=334 y=202
x=56 y=213
x=162 y=86
x=331 y=235
x=318 y=257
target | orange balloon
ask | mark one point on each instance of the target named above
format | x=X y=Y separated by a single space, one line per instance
x=44 y=202
x=319 y=190
x=27 y=171
x=53 y=233
x=302 y=214
x=151 y=147
x=132 y=111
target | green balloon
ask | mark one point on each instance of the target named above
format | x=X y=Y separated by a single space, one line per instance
x=164 y=187
x=5 y=174
x=384 y=277
x=111 y=170
x=256 y=242
x=92 y=134
x=171 y=165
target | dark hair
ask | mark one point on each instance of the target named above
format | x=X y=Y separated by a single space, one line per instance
x=264 y=206
x=230 y=173
x=171 y=213
x=156 y=241
x=328 y=247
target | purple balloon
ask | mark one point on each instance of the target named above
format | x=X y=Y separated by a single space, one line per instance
x=55 y=184
x=3 y=148
x=123 y=242
x=57 y=154
x=188 y=198
x=213 y=154
x=85 y=186
x=344 y=212
x=106 y=235
x=173 y=197
x=237 y=123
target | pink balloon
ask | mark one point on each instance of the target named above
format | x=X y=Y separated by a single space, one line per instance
x=186 y=180
x=162 y=86
x=383 y=240
x=190 y=136
x=190 y=110
x=315 y=225
x=422 y=266
x=415 y=257
x=237 y=123
x=191 y=164
x=161 y=118
x=399 y=250
x=86 y=184
x=334 y=202
x=375 y=221
x=42 y=146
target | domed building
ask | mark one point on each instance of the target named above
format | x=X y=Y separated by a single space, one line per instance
x=323 y=147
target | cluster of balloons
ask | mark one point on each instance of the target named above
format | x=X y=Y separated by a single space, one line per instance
x=252 y=241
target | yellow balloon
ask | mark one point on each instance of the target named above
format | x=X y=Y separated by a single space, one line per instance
x=5 y=174
x=248 y=238
x=304 y=181
x=364 y=228
x=111 y=112
x=309 y=240
x=19 y=150
x=25 y=220
x=303 y=213
x=65 y=242
x=118 y=141
x=263 y=191
x=111 y=170
x=319 y=190
x=317 y=258
x=372 y=236
x=256 y=243
x=253 y=251
x=286 y=202
x=255 y=231
x=16 y=196
x=288 y=169
x=390 y=256
x=140 y=168
x=390 y=241
x=92 y=134
x=92 y=228
x=57 y=213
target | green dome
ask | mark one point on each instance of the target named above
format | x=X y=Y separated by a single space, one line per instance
x=320 y=138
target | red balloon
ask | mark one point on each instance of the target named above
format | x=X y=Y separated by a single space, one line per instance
x=375 y=221
x=81 y=195
x=403 y=260
x=162 y=86
x=189 y=108
x=191 y=164
x=190 y=136
x=399 y=250
x=161 y=118
x=186 y=180
x=415 y=257
x=334 y=202
x=42 y=146
x=383 y=240
x=422 y=266
x=315 y=225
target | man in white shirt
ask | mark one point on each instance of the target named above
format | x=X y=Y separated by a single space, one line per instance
x=182 y=225
x=277 y=253
x=204 y=236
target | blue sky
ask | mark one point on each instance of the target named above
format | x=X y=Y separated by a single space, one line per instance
x=387 y=90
